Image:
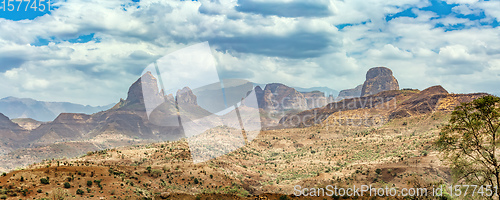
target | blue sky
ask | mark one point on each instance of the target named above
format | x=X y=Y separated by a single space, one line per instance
x=89 y=52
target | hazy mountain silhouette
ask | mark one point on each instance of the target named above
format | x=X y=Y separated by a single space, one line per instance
x=13 y=108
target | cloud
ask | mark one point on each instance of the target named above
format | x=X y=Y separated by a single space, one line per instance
x=289 y=8
x=288 y=41
x=296 y=45
x=457 y=60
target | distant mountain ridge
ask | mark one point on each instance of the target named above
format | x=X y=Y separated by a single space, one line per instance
x=13 y=108
x=325 y=90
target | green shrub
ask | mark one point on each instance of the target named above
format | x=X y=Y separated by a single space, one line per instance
x=39 y=191
x=67 y=185
x=89 y=183
x=3 y=197
x=80 y=192
x=44 y=181
x=283 y=197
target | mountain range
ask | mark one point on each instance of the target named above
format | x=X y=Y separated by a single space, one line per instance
x=13 y=107
x=382 y=135
x=130 y=122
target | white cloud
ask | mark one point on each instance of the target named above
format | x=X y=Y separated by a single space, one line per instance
x=299 y=49
x=461 y=1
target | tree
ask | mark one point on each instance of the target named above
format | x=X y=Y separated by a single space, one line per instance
x=470 y=142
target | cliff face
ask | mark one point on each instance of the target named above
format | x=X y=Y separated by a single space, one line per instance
x=350 y=93
x=379 y=79
x=315 y=99
x=186 y=96
x=280 y=97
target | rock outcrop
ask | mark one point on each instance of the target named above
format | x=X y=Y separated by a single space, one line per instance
x=379 y=79
x=350 y=93
x=186 y=96
x=315 y=99
x=277 y=96
x=148 y=83
x=27 y=123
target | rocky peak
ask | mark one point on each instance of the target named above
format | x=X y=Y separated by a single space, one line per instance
x=186 y=96
x=379 y=79
x=378 y=71
x=135 y=91
x=277 y=96
x=438 y=89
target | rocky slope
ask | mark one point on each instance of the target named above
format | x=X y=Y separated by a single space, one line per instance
x=387 y=105
x=277 y=100
x=27 y=123
x=11 y=134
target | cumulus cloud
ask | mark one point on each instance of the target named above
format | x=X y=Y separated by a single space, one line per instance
x=286 y=8
x=288 y=41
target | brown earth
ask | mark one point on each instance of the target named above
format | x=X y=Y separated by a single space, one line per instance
x=270 y=165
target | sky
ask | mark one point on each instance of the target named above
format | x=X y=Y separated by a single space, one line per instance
x=91 y=51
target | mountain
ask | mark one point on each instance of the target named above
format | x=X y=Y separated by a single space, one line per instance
x=379 y=79
x=126 y=119
x=13 y=136
x=27 y=123
x=325 y=90
x=350 y=93
x=277 y=96
x=42 y=111
x=388 y=105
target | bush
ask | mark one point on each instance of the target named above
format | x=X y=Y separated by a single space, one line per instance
x=155 y=173
x=67 y=185
x=3 y=197
x=39 y=191
x=44 y=181
x=80 y=192
x=283 y=197
x=89 y=183
x=196 y=181
x=378 y=171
